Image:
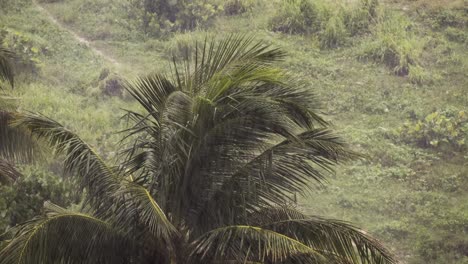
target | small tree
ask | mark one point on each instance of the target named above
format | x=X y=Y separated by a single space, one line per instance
x=214 y=160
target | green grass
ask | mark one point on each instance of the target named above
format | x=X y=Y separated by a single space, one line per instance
x=412 y=198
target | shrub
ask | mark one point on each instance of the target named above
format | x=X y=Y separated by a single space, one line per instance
x=28 y=51
x=112 y=85
x=236 y=7
x=318 y=17
x=359 y=18
x=444 y=130
x=50 y=1
x=334 y=33
x=288 y=19
x=418 y=75
x=180 y=45
x=158 y=18
x=450 y=18
x=24 y=199
x=394 y=45
x=300 y=17
x=456 y=34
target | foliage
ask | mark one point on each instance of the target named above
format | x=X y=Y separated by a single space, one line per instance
x=236 y=7
x=394 y=45
x=456 y=34
x=6 y=67
x=450 y=18
x=27 y=50
x=446 y=130
x=387 y=192
x=360 y=17
x=299 y=17
x=334 y=33
x=160 y=17
x=25 y=198
x=219 y=150
x=322 y=18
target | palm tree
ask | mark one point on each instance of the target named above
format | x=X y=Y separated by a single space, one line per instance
x=213 y=160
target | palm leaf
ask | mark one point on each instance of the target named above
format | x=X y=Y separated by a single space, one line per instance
x=139 y=204
x=100 y=180
x=6 y=68
x=337 y=240
x=249 y=243
x=16 y=144
x=66 y=237
x=8 y=172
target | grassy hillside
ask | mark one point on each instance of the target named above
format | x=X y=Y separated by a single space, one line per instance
x=408 y=117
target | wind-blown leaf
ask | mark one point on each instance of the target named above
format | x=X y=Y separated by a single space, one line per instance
x=249 y=243
x=100 y=180
x=6 y=68
x=139 y=204
x=66 y=237
x=337 y=240
x=8 y=173
x=16 y=144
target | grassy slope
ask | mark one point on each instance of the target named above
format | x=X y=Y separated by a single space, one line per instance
x=411 y=198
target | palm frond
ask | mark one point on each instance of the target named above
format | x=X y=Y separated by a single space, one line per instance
x=339 y=241
x=100 y=180
x=139 y=204
x=212 y=58
x=16 y=144
x=8 y=173
x=250 y=243
x=151 y=92
x=66 y=237
x=272 y=175
x=6 y=68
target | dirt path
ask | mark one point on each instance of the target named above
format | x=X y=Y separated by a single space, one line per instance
x=77 y=37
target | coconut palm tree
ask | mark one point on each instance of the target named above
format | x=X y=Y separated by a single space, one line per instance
x=212 y=162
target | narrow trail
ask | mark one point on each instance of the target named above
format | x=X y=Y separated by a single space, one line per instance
x=77 y=37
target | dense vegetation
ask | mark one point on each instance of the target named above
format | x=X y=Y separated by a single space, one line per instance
x=391 y=74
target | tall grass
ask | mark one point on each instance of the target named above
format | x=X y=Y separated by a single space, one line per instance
x=394 y=44
x=332 y=25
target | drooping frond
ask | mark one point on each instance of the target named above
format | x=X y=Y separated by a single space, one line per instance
x=6 y=68
x=339 y=241
x=8 y=172
x=140 y=205
x=100 y=180
x=66 y=237
x=16 y=144
x=273 y=174
x=250 y=243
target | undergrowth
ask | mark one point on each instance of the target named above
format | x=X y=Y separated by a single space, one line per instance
x=394 y=44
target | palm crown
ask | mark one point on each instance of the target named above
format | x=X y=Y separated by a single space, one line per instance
x=213 y=161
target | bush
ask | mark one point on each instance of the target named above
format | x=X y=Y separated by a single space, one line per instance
x=334 y=33
x=24 y=199
x=289 y=19
x=236 y=7
x=444 y=130
x=160 y=17
x=450 y=18
x=28 y=51
x=112 y=85
x=320 y=17
x=359 y=18
x=180 y=45
x=394 y=45
x=456 y=34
